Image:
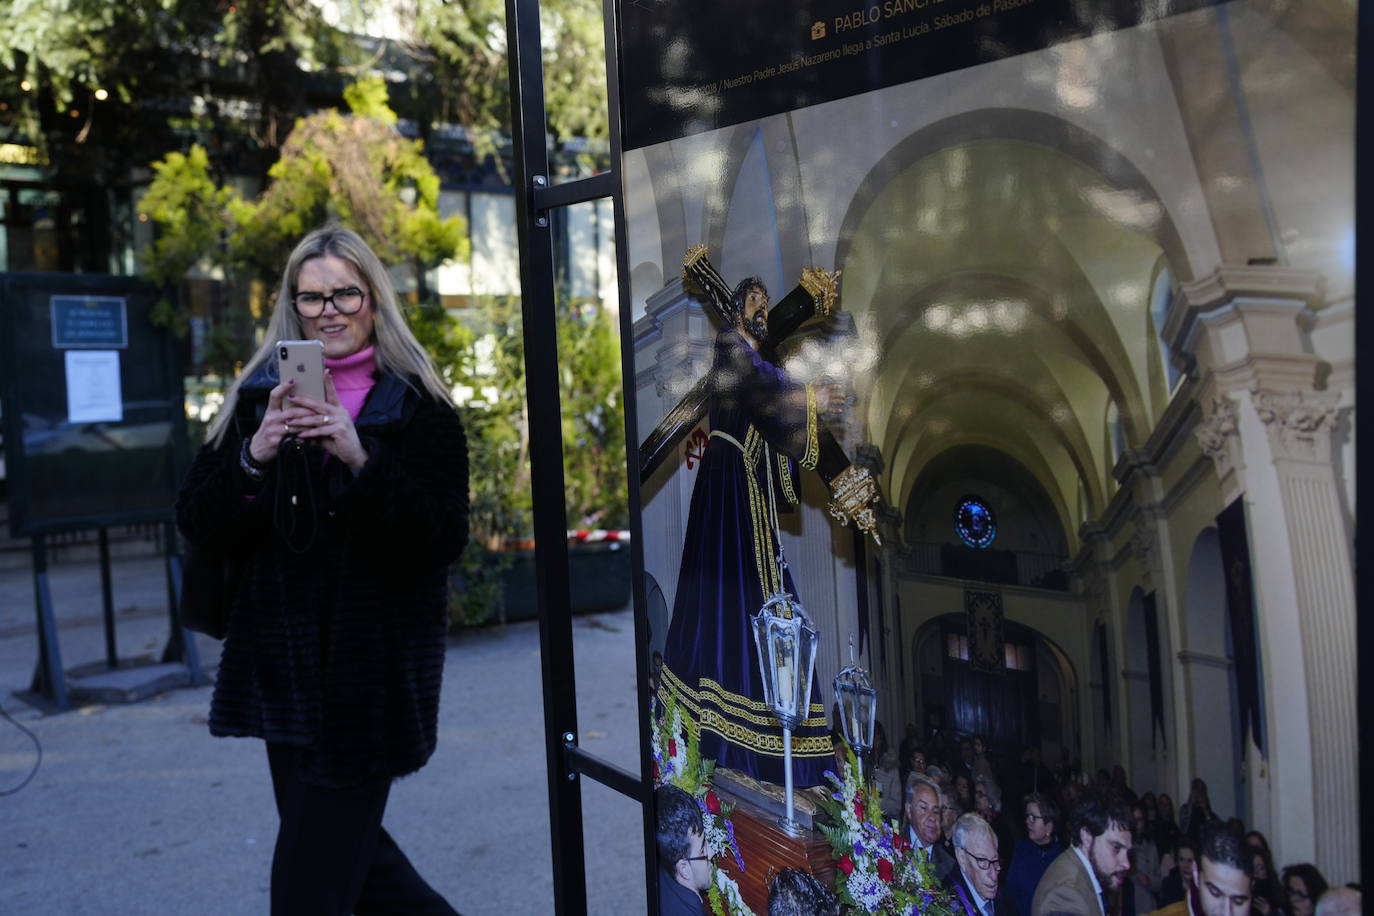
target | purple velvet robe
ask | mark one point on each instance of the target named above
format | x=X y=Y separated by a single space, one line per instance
x=729 y=568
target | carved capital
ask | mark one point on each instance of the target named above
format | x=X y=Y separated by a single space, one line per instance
x=1145 y=543
x=1095 y=590
x=1300 y=424
x=1218 y=434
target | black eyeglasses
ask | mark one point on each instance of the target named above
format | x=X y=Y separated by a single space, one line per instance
x=346 y=301
x=984 y=864
x=696 y=858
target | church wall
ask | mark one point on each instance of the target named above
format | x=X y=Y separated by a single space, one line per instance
x=1019 y=526
x=1059 y=617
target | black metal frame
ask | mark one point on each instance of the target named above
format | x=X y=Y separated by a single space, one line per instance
x=48 y=686
x=537 y=292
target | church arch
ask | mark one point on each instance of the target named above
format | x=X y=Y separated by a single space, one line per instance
x=1040 y=683
x=1018 y=124
x=1209 y=673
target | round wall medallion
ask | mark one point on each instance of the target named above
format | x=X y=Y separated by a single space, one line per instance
x=974 y=522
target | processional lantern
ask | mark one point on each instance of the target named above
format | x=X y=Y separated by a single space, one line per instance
x=786 y=646
x=858 y=702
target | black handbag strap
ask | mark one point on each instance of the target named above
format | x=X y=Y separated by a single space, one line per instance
x=293 y=509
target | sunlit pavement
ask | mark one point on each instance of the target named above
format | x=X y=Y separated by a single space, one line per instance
x=137 y=809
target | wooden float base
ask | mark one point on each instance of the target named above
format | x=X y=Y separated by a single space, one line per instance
x=766 y=849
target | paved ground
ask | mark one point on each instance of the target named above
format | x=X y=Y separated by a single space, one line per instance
x=136 y=809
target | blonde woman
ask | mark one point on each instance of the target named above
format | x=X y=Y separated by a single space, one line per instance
x=339 y=518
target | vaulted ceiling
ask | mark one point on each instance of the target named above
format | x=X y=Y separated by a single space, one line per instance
x=1006 y=288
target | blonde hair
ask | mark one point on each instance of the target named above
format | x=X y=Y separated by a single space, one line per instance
x=397 y=350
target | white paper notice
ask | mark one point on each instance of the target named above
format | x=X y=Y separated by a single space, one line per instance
x=93 y=392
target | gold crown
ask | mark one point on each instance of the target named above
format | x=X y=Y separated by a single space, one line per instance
x=694 y=254
x=823 y=285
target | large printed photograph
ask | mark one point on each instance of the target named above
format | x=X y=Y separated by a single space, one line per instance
x=996 y=438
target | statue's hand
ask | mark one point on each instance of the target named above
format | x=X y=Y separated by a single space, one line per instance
x=855 y=491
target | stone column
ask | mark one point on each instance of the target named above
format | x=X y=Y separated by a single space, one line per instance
x=672 y=344
x=1268 y=424
x=1093 y=564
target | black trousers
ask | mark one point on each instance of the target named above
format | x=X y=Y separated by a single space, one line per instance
x=332 y=856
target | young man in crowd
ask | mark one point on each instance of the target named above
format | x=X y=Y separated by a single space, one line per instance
x=683 y=860
x=1221 y=882
x=1083 y=879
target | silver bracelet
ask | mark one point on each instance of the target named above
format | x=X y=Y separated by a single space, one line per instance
x=249 y=466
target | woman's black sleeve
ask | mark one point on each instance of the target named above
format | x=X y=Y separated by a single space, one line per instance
x=219 y=508
x=411 y=497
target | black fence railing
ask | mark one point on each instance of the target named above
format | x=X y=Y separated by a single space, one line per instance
x=1002 y=567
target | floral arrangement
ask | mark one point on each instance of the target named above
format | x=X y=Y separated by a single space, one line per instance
x=878 y=870
x=678 y=761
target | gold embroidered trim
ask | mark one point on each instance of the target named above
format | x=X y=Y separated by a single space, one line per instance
x=760 y=524
x=753 y=445
x=735 y=703
x=785 y=477
x=767 y=743
x=813 y=442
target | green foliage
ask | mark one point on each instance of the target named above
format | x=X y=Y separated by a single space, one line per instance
x=189 y=209
x=354 y=168
x=593 y=418
x=491 y=387
x=469 y=74
x=482 y=597
x=139 y=50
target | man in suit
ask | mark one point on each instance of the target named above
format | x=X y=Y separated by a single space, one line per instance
x=683 y=860
x=974 y=882
x=923 y=823
x=1081 y=881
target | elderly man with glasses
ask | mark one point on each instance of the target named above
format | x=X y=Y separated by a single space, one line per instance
x=974 y=882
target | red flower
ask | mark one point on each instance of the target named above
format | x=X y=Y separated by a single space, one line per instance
x=672 y=747
x=900 y=843
x=858 y=809
x=885 y=870
x=655 y=771
x=845 y=865
x=712 y=803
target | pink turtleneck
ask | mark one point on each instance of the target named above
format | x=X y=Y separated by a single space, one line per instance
x=353 y=378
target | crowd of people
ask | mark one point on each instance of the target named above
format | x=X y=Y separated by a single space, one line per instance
x=1053 y=826
x=1025 y=840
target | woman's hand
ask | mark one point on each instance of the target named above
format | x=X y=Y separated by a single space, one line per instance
x=328 y=423
x=282 y=419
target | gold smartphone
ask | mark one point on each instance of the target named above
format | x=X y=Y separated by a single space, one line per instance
x=302 y=360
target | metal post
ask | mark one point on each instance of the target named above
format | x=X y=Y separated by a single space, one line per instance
x=537 y=300
x=107 y=600
x=181 y=643
x=787 y=776
x=49 y=680
x=649 y=818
